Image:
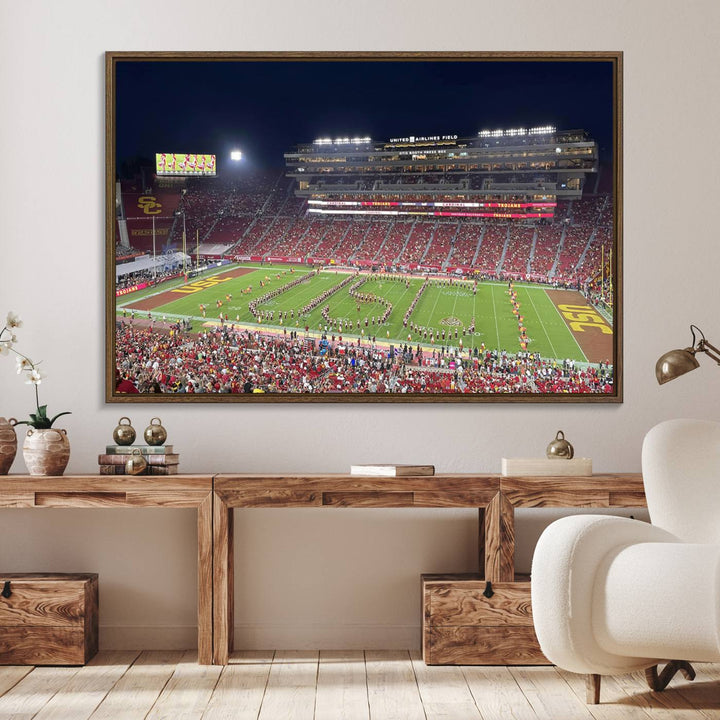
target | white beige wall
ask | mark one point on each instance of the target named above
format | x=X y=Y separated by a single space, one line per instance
x=330 y=578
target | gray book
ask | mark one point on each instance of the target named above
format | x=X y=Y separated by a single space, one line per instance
x=144 y=449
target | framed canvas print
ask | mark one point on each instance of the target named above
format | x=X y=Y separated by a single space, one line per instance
x=384 y=227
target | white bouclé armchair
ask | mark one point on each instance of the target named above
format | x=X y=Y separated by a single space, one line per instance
x=613 y=595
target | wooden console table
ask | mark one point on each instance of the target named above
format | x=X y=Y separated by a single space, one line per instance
x=92 y=491
x=215 y=497
x=495 y=497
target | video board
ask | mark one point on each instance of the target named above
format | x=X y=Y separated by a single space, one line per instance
x=184 y=165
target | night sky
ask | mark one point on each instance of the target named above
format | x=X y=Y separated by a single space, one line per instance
x=265 y=108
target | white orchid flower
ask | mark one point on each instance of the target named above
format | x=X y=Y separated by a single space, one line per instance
x=23 y=364
x=13 y=320
x=30 y=372
x=35 y=377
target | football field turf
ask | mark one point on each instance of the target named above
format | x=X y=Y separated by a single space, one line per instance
x=444 y=306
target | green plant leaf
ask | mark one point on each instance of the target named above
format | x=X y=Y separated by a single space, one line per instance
x=38 y=424
x=67 y=412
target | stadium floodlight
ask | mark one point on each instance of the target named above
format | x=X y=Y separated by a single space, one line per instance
x=542 y=130
x=236 y=155
x=516 y=132
x=677 y=362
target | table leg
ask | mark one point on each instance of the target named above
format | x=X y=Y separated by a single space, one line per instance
x=205 y=579
x=223 y=581
x=499 y=519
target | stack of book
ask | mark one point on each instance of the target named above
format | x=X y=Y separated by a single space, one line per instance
x=160 y=459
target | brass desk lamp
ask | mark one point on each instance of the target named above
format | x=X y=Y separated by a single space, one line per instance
x=677 y=362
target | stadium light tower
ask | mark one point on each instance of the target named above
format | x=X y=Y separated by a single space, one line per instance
x=181 y=213
x=184 y=244
x=154 y=256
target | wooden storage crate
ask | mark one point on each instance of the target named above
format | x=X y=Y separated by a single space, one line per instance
x=461 y=626
x=48 y=618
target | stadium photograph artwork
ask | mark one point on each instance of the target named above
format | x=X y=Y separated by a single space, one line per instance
x=372 y=227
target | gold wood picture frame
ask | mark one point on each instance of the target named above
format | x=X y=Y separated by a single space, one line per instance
x=364 y=227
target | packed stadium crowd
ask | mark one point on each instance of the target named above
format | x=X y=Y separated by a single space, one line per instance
x=260 y=216
x=229 y=360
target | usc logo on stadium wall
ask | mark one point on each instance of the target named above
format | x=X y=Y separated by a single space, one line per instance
x=149 y=205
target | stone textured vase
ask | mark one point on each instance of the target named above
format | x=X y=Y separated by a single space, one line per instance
x=8 y=445
x=46 y=451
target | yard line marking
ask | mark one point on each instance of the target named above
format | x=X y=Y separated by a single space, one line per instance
x=413 y=289
x=474 y=320
x=532 y=302
x=455 y=303
x=432 y=312
x=497 y=329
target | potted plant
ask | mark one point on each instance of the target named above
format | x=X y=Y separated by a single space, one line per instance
x=46 y=449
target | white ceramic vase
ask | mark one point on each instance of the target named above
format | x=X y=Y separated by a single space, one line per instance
x=8 y=444
x=46 y=451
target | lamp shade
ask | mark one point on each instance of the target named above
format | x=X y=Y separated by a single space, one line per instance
x=675 y=363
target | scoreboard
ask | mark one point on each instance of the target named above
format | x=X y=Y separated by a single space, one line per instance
x=184 y=165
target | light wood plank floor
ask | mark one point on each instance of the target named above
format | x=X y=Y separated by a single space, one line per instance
x=350 y=685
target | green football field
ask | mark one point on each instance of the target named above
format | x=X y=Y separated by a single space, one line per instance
x=444 y=306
